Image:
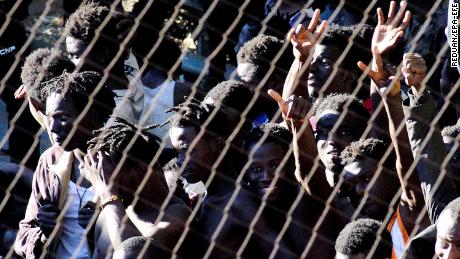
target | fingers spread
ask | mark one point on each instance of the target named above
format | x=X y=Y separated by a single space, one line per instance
x=380 y=16
x=314 y=21
x=391 y=12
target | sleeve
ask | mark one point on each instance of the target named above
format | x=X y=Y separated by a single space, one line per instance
x=30 y=237
x=419 y=113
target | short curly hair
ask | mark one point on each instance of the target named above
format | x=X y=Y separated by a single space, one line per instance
x=359 y=237
x=87 y=19
x=40 y=66
x=363 y=148
x=80 y=87
x=336 y=102
x=260 y=52
x=231 y=93
x=451 y=131
x=275 y=134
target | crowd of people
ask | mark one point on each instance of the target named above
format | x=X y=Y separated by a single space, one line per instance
x=327 y=129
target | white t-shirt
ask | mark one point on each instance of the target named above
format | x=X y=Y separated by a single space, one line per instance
x=73 y=242
x=130 y=102
x=156 y=102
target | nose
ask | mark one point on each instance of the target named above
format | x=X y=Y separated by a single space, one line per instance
x=55 y=126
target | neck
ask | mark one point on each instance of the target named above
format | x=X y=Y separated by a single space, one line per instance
x=220 y=185
x=154 y=78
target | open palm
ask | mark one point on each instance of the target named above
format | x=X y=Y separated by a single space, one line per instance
x=387 y=34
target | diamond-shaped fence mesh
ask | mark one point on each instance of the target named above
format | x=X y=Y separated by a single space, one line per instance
x=215 y=129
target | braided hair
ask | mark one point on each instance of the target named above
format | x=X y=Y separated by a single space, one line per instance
x=114 y=139
x=194 y=114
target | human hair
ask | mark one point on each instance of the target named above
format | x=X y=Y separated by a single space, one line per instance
x=231 y=93
x=40 y=66
x=359 y=237
x=453 y=208
x=80 y=89
x=84 y=23
x=451 y=131
x=363 y=148
x=194 y=114
x=337 y=102
x=115 y=138
x=338 y=36
x=260 y=52
x=274 y=134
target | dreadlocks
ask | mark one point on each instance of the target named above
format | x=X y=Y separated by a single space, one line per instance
x=194 y=114
x=115 y=138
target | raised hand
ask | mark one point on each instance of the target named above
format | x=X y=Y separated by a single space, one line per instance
x=387 y=34
x=294 y=108
x=383 y=77
x=304 y=39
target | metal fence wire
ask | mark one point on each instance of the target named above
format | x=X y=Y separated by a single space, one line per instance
x=204 y=161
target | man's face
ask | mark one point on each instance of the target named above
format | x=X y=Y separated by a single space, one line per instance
x=330 y=147
x=322 y=67
x=358 y=176
x=95 y=60
x=447 y=236
x=247 y=73
x=201 y=157
x=61 y=114
x=449 y=143
x=267 y=158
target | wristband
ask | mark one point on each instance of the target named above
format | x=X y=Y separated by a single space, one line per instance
x=112 y=199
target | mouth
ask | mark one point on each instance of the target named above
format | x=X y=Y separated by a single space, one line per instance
x=59 y=140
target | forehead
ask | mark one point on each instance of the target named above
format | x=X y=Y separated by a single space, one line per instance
x=74 y=44
x=358 y=167
x=56 y=102
x=330 y=51
x=186 y=134
x=268 y=151
x=448 y=227
x=247 y=73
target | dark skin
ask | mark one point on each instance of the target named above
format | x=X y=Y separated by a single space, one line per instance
x=196 y=159
x=61 y=114
x=140 y=217
x=97 y=60
x=386 y=86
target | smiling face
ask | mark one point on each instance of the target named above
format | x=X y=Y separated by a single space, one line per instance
x=447 y=236
x=358 y=175
x=330 y=147
x=263 y=169
x=200 y=158
x=322 y=66
x=61 y=114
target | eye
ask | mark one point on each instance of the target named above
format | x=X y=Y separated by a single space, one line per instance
x=255 y=169
x=320 y=133
x=345 y=132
